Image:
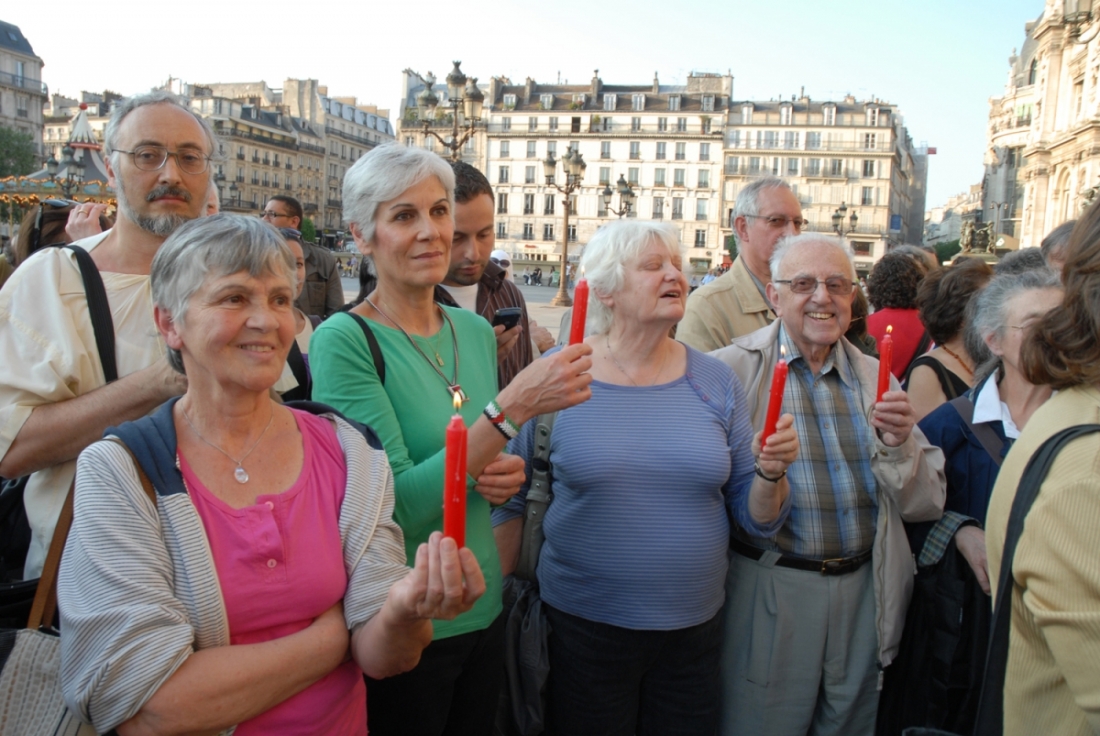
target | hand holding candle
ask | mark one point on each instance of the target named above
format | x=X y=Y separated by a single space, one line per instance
x=886 y=358
x=775 y=402
x=454 y=479
x=580 y=312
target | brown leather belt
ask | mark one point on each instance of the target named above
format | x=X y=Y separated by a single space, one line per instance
x=836 y=566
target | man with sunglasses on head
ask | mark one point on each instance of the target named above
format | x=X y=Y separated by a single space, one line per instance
x=814 y=612
x=324 y=292
x=53 y=401
x=735 y=304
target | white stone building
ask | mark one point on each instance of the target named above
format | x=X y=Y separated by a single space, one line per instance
x=852 y=154
x=665 y=141
x=22 y=92
x=1043 y=147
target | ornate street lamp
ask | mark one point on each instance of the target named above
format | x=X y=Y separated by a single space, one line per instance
x=626 y=198
x=234 y=193
x=572 y=163
x=74 y=171
x=838 y=220
x=464 y=99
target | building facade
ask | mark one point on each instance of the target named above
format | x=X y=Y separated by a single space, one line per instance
x=1043 y=145
x=22 y=92
x=295 y=140
x=855 y=155
x=664 y=141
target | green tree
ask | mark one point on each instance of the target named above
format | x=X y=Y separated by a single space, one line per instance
x=731 y=246
x=946 y=251
x=309 y=231
x=16 y=153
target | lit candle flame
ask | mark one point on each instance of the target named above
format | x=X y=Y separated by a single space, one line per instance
x=457 y=401
x=889 y=329
x=783 y=351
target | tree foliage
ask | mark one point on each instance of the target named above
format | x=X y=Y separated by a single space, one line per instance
x=947 y=250
x=16 y=153
x=309 y=231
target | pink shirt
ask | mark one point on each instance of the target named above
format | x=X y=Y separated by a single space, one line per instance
x=280 y=564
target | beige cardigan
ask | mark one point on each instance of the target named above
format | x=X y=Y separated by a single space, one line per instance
x=911 y=482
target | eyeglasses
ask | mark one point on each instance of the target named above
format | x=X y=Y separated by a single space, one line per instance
x=502 y=262
x=152 y=158
x=780 y=221
x=36 y=234
x=806 y=285
x=270 y=215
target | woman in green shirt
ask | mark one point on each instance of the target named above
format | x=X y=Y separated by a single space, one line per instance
x=398 y=202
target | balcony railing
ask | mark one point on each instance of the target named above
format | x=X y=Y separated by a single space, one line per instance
x=350 y=136
x=34 y=85
x=882 y=146
x=334 y=203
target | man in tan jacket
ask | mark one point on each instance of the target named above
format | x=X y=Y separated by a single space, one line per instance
x=814 y=612
x=734 y=304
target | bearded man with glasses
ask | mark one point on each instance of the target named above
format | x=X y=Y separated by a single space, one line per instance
x=53 y=397
x=815 y=611
x=734 y=304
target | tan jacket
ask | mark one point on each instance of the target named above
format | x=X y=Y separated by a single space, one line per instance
x=911 y=481
x=728 y=307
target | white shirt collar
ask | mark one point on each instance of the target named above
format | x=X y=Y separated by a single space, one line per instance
x=989 y=408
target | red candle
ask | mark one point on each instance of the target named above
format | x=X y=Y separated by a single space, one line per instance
x=775 y=402
x=886 y=357
x=454 y=479
x=580 y=312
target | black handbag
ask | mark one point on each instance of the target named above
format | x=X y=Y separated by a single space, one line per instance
x=17 y=594
x=990 y=720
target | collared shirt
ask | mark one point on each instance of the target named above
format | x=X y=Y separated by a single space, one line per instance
x=988 y=407
x=833 y=504
x=495 y=292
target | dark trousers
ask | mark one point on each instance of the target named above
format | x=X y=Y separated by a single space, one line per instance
x=453 y=691
x=609 y=681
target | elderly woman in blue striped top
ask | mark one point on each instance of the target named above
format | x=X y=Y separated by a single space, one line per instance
x=646 y=477
x=228 y=602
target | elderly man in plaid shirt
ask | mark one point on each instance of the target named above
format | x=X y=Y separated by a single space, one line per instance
x=815 y=612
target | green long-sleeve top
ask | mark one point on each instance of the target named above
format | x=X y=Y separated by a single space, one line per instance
x=410 y=415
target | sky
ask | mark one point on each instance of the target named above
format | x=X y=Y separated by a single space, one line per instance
x=938 y=61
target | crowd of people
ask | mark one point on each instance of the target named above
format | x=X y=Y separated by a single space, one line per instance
x=256 y=500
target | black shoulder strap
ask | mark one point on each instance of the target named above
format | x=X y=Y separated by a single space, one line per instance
x=991 y=705
x=993 y=444
x=375 y=348
x=99 y=310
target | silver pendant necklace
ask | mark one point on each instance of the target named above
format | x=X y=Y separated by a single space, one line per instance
x=452 y=384
x=239 y=473
x=607 y=341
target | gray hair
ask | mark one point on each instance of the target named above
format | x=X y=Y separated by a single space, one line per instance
x=1056 y=241
x=155 y=97
x=606 y=255
x=1025 y=259
x=925 y=257
x=792 y=242
x=987 y=314
x=747 y=203
x=218 y=245
x=383 y=174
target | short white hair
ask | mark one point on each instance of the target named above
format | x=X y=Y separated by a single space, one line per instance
x=795 y=242
x=608 y=252
x=383 y=174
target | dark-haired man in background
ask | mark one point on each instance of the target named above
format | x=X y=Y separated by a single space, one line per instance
x=324 y=292
x=475 y=282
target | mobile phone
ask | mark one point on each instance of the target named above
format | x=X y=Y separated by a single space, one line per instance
x=507 y=316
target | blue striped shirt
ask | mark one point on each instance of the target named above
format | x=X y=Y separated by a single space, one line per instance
x=643 y=480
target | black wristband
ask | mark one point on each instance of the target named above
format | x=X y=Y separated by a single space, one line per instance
x=760 y=472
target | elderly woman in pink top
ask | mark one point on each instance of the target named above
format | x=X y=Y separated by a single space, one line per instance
x=233 y=562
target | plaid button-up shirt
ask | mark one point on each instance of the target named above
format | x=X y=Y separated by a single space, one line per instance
x=833 y=500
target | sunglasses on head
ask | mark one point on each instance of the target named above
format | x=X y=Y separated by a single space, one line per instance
x=289 y=232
